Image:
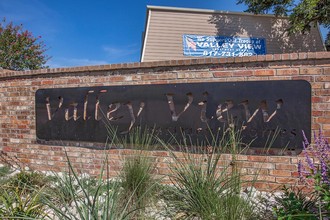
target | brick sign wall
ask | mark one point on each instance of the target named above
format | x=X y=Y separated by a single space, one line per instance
x=18 y=113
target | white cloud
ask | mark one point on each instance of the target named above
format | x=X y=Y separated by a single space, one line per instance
x=33 y=14
x=119 y=52
x=25 y=11
x=70 y=62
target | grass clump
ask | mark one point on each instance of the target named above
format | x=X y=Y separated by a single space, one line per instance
x=103 y=198
x=27 y=181
x=203 y=190
x=85 y=198
x=138 y=183
x=15 y=203
x=21 y=195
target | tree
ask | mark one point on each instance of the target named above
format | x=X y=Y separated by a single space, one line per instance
x=303 y=14
x=19 y=49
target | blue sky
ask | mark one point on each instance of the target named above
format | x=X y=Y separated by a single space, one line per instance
x=79 y=33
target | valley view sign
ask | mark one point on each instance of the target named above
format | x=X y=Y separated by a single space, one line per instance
x=194 y=110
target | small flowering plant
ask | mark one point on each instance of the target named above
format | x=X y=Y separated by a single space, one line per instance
x=317 y=170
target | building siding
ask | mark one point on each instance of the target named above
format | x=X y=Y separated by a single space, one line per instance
x=166 y=27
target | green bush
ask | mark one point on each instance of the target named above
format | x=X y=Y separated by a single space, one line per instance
x=294 y=205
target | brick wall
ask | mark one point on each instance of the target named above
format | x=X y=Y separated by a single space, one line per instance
x=17 y=106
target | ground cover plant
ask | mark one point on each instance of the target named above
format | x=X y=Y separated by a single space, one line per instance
x=294 y=204
x=16 y=204
x=21 y=194
x=203 y=187
x=88 y=198
x=314 y=173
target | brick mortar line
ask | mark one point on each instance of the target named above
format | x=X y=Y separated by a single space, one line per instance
x=233 y=71
x=5 y=74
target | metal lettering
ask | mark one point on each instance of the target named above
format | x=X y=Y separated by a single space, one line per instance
x=97 y=105
x=196 y=109
x=171 y=104
x=86 y=104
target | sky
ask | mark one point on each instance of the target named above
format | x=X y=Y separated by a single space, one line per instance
x=82 y=32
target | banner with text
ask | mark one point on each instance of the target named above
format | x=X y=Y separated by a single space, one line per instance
x=222 y=46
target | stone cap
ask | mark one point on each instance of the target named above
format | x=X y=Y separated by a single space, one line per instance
x=170 y=63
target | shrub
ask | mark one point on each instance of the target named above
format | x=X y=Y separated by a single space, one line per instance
x=138 y=183
x=137 y=177
x=15 y=203
x=27 y=181
x=315 y=174
x=21 y=195
x=201 y=189
x=99 y=201
x=294 y=205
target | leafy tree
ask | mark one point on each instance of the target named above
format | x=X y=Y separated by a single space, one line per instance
x=303 y=14
x=19 y=49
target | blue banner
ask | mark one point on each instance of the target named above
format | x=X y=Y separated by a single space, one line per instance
x=222 y=46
